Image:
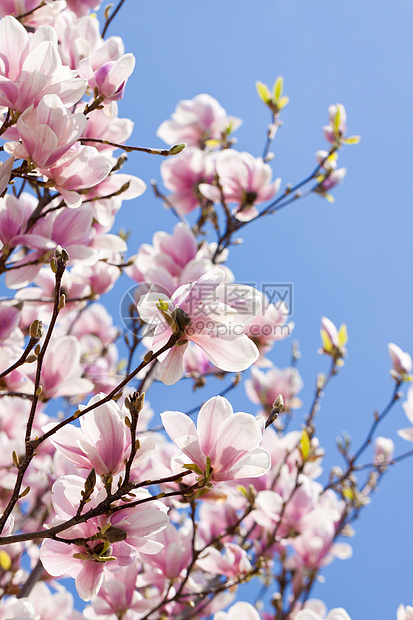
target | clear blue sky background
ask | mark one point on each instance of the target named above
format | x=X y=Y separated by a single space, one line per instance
x=350 y=261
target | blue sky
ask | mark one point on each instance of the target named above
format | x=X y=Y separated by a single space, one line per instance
x=350 y=261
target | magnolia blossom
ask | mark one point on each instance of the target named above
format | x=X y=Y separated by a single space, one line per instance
x=47 y=132
x=61 y=371
x=81 y=167
x=197 y=120
x=243 y=179
x=183 y=174
x=110 y=78
x=118 y=597
x=103 y=440
x=335 y=132
x=207 y=314
x=30 y=67
x=263 y=388
x=176 y=553
x=383 y=450
x=402 y=362
x=87 y=563
x=232 y=562
x=333 y=340
x=14 y=214
x=173 y=259
x=230 y=440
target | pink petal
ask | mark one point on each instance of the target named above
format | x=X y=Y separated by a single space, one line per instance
x=210 y=419
x=183 y=433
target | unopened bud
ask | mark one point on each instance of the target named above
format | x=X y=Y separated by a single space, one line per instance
x=90 y=480
x=181 y=342
x=278 y=403
x=177 y=148
x=115 y=534
x=31 y=359
x=62 y=301
x=147 y=357
x=15 y=458
x=34 y=327
x=39 y=390
x=53 y=265
x=37 y=349
x=76 y=414
x=25 y=492
x=65 y=256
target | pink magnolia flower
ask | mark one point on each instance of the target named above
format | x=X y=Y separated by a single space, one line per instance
x=61 y=372
x=103 y=440
x=47 y=132
x=207 y=314
x=183 y=174
x=402 y=362
x=244 y=179
x=14 y=214
x=263 y=388
x=87 y=563
x=71 y=229
x=230 y=440
x=239 y=611
x=118 y=597
x=333 y=340
x=47 y=605
x=337 y=123
x=110 y=78
x=197 y=120
x=232 y=562
x=335 y=132
x=383 y=450
x=329 y=175
x=315 y=546
x=30 y=67
x=81 y=167
x=173 y=260
x=176 y=553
